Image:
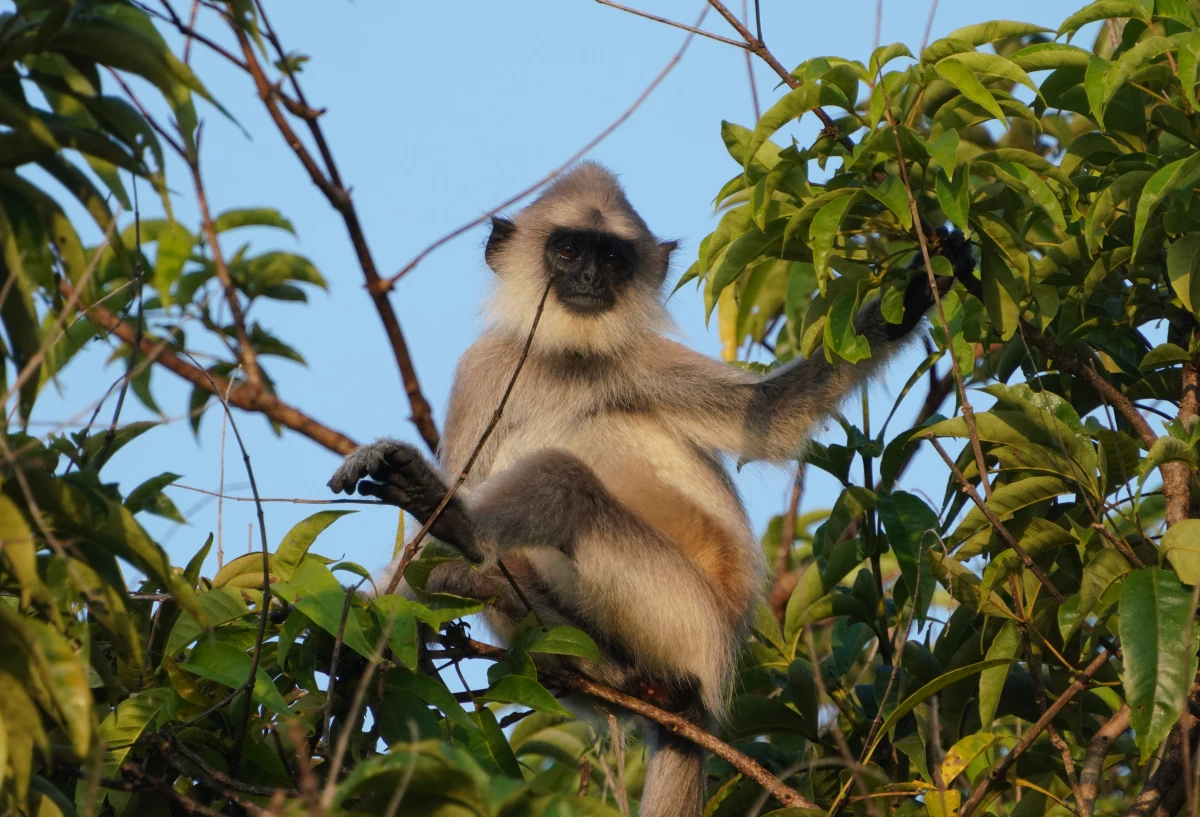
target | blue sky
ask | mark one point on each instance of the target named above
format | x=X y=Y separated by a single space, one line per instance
x=436 y=113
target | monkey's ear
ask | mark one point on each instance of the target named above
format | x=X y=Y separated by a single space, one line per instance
x=502 y=231
x=665 y=248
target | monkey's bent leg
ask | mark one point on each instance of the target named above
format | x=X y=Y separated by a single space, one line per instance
x=625 y=578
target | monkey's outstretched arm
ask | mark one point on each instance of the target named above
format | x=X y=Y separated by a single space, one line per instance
x=771 y=417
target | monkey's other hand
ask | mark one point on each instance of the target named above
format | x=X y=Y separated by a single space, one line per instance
x=400 y=476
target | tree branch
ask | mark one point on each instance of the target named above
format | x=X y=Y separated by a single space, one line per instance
x=676 y=723
x=997 y=772
x=675 y=24
x=995 y=522
x=339 y=199
x=245 y=396
x=579 y=154
x=1092 y=771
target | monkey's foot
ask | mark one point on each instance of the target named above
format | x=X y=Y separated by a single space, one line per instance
x=400 y=476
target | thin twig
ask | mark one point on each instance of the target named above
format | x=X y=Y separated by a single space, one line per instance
x=256 y=655
x=756 y=45
x=750 y=63
x=333 y=663
x=929 y=24
x=998 y=771
x=411 y=549
x=1126 y=551
x=579 y=154
x=665 y=21
x=290 y=500
x=995 y=522
x=968 y=410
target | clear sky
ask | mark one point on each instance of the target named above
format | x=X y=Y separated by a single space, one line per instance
x=436 y=113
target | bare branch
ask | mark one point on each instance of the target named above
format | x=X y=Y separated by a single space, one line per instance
x=676 y=723
x=339 y=198
x=579 y=154
x=1092 y=771
x=245 y=397
x=665 y=21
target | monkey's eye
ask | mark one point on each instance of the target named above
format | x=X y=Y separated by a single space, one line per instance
x=568 y=252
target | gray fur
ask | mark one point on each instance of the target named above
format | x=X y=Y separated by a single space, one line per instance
x=602 y=487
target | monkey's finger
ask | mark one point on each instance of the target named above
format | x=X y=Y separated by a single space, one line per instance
x=384 y=491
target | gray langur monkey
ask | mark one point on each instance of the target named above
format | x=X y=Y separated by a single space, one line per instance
x=602 y=488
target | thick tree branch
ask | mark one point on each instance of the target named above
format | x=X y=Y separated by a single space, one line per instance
x=244 y=396
x=1092 y=771
x=676 y=723
x=339 y=197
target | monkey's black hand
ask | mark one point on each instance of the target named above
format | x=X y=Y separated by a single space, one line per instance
x=918 y=298
x=400 y=476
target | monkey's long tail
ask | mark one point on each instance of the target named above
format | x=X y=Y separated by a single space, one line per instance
x=674 y=776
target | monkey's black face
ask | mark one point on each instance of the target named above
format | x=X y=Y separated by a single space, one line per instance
x=590 y=268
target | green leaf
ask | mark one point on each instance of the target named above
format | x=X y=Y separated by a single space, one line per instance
x=1050 y=56
x=793 y=104
x=954 y=196
x=1103 y=10
x=517 y=689
x=824 y=230
x=229 y=666
x=944 y=151
x=994 y=65
x=1124 y=188
x=174 y=248
x=984 y=33
x=966 y=750
x=1183 y=267
x=891 y=194
x=125 y=724
x=907 y=519
x=252 y=217
x=841 y=336
x=884 y=54
x=1189 y=50
x=149 y=497
x=1164 y=450
x=316 y=592
x=563 y=641
x=298 y=540
x=220 y=605
x=123 y=436
x=397 y=620
x=1006 y=645
x=933 y=687
x=493 y=743
x=1155 y=618
x=1181 y=547
x=960 y=76
x=1181 y=173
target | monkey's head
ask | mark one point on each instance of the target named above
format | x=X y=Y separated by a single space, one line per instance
x=604 y=266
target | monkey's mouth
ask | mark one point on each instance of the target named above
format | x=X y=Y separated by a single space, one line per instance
x=586 y=303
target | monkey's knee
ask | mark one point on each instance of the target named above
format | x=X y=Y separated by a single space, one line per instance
x=549 y=498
